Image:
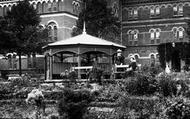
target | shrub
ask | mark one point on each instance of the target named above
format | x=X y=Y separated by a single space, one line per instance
x=151 y=71
x=178 y=108
x=167 y=86
x=74 y=104
x=141 y=85
x=133 y=107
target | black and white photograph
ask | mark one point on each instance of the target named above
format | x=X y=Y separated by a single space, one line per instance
x=94 y=59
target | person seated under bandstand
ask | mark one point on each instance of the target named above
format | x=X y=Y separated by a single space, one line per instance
x=119 y=58
x=132 y=67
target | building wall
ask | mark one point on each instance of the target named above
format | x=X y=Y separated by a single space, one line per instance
x=60 y=13
x=148 y=23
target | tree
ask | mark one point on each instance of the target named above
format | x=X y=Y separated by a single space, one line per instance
x=20 y=30
x=100 y=20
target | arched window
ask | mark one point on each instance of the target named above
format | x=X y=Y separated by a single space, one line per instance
x=157 y=10
x=34 y=5
x=180 y=32
x=55 y=33
x=5 y=10
x=9 y=7
x=1 y=11
x=130 y=13
x=135 y=12
x=49 y=6
x=130 y=37
x=157 y=35
x=174 y=30
x=152 y=36
x=152 y=11
x=135 y=36
x=54 y=6
x=39 y=7
x=52 y=33
x=175 y=10
x=178 y=9
x=43 y=7
x=152 y=59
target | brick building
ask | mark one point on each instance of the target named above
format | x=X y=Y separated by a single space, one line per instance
x=59 y=15
x=148 y=23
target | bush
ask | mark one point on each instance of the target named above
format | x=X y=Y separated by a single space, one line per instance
x=151 y=71
x=141 y=85
x=74 y=104
x=167 y=86
x=133 y=107
x=178 y=108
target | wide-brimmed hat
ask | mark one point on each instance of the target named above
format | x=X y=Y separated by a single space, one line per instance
x=119 y=50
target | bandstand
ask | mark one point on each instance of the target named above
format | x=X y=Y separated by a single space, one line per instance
x=77 y=52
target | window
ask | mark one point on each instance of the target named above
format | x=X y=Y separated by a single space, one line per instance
x=54 y=6
x=152 y=59
x=43 y=7
x=175 y=9
x=55 y=33
x=178 y=10
x=180 y=31
x=52 y=33
x=157 y=10
x=130 y=12
x=135 y=13
x=174 y=32
x=49 y=6
x=152 y=36
x=157 y=35
x=152 y=11
x=39 y=7
x=130 y=37
x=135 y=36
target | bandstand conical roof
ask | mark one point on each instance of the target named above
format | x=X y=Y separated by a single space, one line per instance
x=84 y=39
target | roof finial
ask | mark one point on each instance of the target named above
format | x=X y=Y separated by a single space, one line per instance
x=84 y=28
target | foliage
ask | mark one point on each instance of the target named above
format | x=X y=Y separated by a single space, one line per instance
x=22 y=22
x=178 y=108
x=133 y=107
x=141 y=85
x=20 y=32
x=73 y=76
x=99 y=19
x=96 y=75
x=167 y=85
x=74 y=104
x=151 y=71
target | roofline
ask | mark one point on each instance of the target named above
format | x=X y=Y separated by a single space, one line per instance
x=121 y=46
